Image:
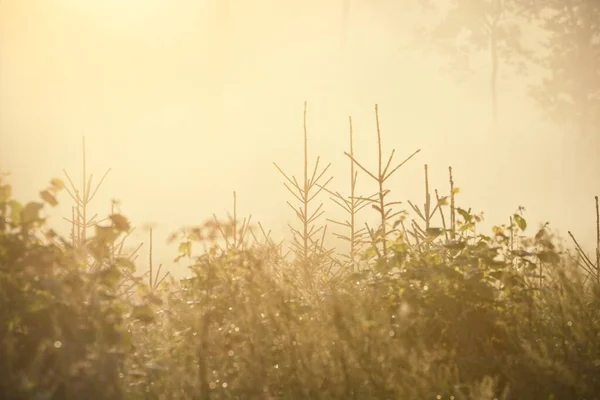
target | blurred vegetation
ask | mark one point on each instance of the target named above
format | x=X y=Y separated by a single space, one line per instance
x=565 y=51
x=424 y=306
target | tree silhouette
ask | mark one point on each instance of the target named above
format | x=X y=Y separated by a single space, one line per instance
x=570 y=91
x=471 y=26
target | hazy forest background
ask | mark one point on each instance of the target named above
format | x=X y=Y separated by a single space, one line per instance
x=125 y=123
x=189 y=100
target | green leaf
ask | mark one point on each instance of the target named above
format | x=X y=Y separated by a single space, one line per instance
x=448 y=272
x=455 y=245
x=484 y=238
x=109 y=277
x=466 y=227
x=99 y=249
x=106 y=234
x=15 y=212
x=5 y=193
x=57 y=184
x=549 y=257
x=467 y=217
x=370 y=253
x=520 y=221
x=152 y=298
x=144 y=313
x=434 y=232
x=51 y=234
x=541 y=234
x=120 y=222
x=497 y=230
x=521 y=253
x=31 y=212
x=125 y=263
x=48 y=198
x=185 y=249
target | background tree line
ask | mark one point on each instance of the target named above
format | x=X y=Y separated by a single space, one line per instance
x=566 y=50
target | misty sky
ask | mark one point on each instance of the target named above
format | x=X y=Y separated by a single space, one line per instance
x=186 y=106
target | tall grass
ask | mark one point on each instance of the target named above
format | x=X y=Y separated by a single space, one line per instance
x=424 y=306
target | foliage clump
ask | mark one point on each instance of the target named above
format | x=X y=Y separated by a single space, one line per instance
x=422 y=308
x=63 y=330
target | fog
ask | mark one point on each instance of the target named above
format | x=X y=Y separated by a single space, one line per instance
x=186 y=102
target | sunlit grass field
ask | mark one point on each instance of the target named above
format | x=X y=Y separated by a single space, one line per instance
x=420 y=305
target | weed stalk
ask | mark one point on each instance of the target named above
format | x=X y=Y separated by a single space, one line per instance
x=383 y=174
x=305 y=242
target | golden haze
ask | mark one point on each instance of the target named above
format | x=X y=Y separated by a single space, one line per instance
x=187 y=104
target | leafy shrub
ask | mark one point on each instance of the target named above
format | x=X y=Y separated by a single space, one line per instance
x=440 y=313
x=62 y=330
